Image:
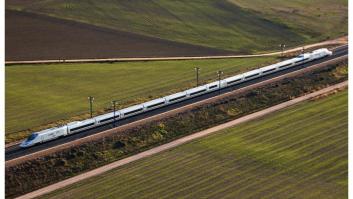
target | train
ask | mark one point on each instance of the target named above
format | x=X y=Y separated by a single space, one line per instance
x=79 y=126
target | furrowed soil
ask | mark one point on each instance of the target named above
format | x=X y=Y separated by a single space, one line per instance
x=31 y=36
x=300 y=152
x=36 y=173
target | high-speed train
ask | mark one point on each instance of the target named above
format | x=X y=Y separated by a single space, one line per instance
x=79 y=126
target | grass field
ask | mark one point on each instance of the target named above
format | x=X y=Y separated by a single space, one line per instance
x=237 y=25
x=300 y=152
x=49 y=93
x=315 y=18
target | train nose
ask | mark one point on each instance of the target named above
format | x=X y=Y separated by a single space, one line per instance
x=23 y=144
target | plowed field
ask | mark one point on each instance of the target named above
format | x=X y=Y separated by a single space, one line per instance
x=38 y=37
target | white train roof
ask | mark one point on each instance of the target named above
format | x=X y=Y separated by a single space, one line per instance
x=176 y=95
x=80 y=123
x=212 y=84
x=132 y=108
x=46 y=131
x=197 y=89
x=252 y=72
x=300 y=57
x=320 y=50
x=273 y=66
x=153 y=102
x=229 y=79
x=108 y=115
x=306 y=55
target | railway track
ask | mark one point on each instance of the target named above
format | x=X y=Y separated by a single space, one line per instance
x=14 y=152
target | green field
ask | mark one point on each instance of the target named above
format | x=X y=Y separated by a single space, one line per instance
x=314 y=18
x=300 y=152
x=37 y=95
x=244 y=26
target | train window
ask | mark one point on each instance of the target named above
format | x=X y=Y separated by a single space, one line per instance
x=154 y=105
x=32 y=136
x=109 y=118
x=175 y=99
x=267 y=71
x=214 y=86
x=81 y=127
x=251 y=76
x=231 y=82
x=198 y=92
x=131 y=112
x=285 y=65
x=301 y=60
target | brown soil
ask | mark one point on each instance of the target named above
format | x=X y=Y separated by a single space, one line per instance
x=31 y=36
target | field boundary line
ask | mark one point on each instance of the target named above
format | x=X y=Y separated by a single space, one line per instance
x=180 y=141
x=339 y=41
x=172 y=112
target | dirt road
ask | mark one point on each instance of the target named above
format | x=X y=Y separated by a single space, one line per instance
x=180 y=141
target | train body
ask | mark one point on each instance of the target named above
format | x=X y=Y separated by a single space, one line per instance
x=78 y=126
